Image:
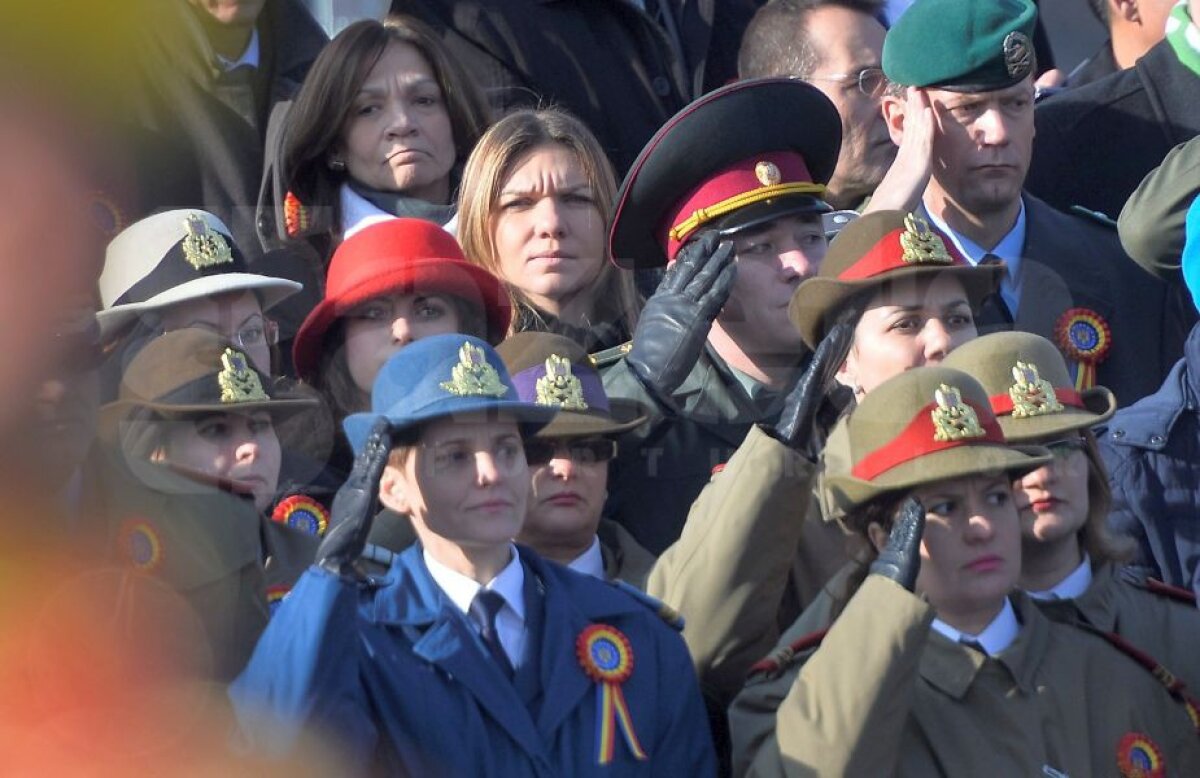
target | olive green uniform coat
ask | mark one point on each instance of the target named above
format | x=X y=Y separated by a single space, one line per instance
x=884 y=695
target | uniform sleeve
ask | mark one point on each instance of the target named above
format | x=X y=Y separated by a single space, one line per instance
x=1123 y=516
x=684 y=746
x=727 y=572
x=1152 y=221
x=304 y=677
x=844 y=711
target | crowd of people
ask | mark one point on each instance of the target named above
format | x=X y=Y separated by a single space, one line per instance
x=802 y=387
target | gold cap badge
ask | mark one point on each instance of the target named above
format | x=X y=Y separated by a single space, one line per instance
x=1018 y=60
x=952 y=418
x=1031 y=394
x=473 y=376
x=921 y=244
x=204 y=247
x=239 y=384
x=559 y=387
x=767 y=173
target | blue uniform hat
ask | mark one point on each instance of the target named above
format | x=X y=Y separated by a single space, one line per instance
x=1191 y=252
x=440 y=376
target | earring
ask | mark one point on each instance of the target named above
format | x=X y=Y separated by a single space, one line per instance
x=337 y=164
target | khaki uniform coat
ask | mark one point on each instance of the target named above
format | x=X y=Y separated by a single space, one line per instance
x=884 y=695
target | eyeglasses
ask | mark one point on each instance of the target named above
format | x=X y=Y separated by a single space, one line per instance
x=257 y=331
x=582 y=451
x=870 y=81
x=1063 y=449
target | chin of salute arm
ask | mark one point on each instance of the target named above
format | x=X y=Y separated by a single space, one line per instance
x=844 y=710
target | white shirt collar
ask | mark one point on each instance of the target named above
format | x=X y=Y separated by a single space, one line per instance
x=509 y=583
x=590 y=562
x=358 y=213
x=996 y=636
x=1070 y=588
x=1008 y=249
x=249 y=57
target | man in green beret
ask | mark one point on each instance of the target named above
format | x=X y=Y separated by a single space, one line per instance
x=960 y=107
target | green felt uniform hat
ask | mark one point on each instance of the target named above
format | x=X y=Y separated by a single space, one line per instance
x=194 y=371
x=555 y=371
x=1029 y=387
x=926 y=425
x=876 y=249
x=961 y=45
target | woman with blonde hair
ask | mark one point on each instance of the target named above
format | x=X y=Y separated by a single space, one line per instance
x=534 y=209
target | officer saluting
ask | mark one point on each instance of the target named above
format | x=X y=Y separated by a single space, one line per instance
x=714 y=351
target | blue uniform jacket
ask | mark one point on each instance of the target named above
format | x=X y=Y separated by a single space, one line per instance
x=1152 y=450
x=397 y=674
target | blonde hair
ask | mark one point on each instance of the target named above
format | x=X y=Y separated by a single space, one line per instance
x=615 y=298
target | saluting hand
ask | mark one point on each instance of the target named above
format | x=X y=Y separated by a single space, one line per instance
x=908 y=177
x=797 y=426
x=674 y=324
x=900 y=559
x=355 y=506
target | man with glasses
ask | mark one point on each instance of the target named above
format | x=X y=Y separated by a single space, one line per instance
x=836 y=46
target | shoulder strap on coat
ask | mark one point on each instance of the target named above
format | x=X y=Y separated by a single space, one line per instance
x=1153 y=585
x=665 y=612
x=781 y=657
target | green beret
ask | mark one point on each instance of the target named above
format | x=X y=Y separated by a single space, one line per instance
x=961 y=45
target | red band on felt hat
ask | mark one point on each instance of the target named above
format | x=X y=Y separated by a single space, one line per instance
x=917 y=439
x=888 y=255
x=1002 y=404
x=738 y=185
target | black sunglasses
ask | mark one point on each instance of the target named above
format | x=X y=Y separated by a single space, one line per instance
x=583 y=451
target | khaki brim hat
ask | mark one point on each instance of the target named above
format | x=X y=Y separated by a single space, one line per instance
x=884 y=247
x=926 y=425
x=1029 y=386
x=555 y=371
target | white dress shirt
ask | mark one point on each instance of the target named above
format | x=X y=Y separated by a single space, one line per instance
x=996 y=636
x=1070 y=588
x=509 y=584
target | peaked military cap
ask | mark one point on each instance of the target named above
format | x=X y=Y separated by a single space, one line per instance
x=736 y=158
x=552 y=370
x=875 y=249
x=1029 y=387
x=440 y=376
x=961 y=45
x=925 y=425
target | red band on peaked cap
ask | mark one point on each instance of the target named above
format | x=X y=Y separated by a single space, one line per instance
x=916 y=440
x=739 y=178
x=1002 y=404
x=888 y=255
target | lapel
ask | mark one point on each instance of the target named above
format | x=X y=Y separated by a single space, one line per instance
x=412 y=600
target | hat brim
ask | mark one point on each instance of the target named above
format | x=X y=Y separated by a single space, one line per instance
x=112 y=414
x=1099 y=406
x=438 y=276
x=848 y=492
x=271 y=291
x=531 y=418
x=819 y=296
x=758 y=214
x=775 y=114
x=624 y=415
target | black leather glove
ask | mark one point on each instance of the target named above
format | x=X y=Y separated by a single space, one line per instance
x=900 y=559
x=674 y=324
x=355 y=506
x=797 y=426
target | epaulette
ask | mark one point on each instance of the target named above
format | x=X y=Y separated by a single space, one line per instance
x=1174 y=686
x=1153 y=585
x=779 y=659
x=377 y=555
x=610 y=356
x=1101 y=218
x=660 y=608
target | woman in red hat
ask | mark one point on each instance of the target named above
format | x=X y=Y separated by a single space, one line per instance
x=389 y=285
x=534 y=209
x=379 y=130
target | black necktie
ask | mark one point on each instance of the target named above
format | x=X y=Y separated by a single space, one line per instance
x=994 y=314
x=235 y=88
x=483 y=611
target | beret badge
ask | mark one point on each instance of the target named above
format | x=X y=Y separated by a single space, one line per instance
x=1018 y=54
x=954 y=419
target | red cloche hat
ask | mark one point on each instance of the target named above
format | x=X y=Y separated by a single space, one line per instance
x=398 y=255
